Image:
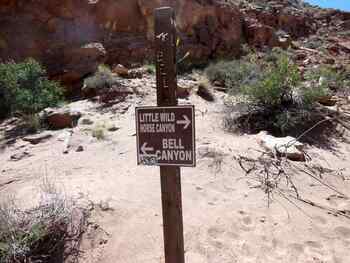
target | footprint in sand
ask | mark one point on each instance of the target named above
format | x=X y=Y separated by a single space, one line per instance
x=294 y=252
x=314 y=244
x=246 y=222
x=215 y=232
x=216 y=239
x=296 y=248
x=320 y=220
x=342 y=231
x=314 y=249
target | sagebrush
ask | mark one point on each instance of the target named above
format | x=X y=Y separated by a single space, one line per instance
x=25 y=88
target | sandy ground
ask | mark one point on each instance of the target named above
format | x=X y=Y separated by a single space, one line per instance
x=226 y=217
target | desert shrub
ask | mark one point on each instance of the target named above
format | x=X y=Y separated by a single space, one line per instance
x=39 y=234
x=276 y=100
x=275 y=84
x=327 y=78
x=233 y=74
x=25 y=88
x=99 y=133
x=309 y=95
x=101 y=79
x=275 y=54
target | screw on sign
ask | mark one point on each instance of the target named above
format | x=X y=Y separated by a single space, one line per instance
x=166 y=135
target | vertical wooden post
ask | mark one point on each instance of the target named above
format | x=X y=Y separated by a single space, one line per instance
x=165 y=44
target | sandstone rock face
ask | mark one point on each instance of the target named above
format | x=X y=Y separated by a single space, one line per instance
x=78 y=62
x=57 y=32
x=262 y=24
x=260 y=35
x=65 y=34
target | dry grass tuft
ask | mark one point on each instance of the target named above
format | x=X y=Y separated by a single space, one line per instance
x=49 y=232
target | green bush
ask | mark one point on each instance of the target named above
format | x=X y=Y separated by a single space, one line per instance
x=24 y=88
x=233 y=74
x=327 y=78
x=275 y=85
x=275 y=99
x=313 y=94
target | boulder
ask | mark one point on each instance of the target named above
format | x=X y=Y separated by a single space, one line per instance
x=345 y=46
x=110 y=88
x=284 y=41
x=60 y=118
x=345 y=25
x=204 y=92
x=80 y=148
x=38 y=138
x=121 y=70
x=86 y=121
x=183 y=92
x=260 y=35
x=114 y=92
x=81 y=61
x=287 y=147
x=20 y=155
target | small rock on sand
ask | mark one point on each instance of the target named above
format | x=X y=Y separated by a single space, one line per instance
x=80 y=148
x=284 y=146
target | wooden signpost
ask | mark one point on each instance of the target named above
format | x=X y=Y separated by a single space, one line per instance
x=166 y=135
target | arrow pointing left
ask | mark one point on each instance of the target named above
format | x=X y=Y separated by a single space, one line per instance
x=145 y=149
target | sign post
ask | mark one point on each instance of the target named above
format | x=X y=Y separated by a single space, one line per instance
x=166 y=135
x=170 y=176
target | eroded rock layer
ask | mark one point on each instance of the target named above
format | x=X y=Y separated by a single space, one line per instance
x=71 y=37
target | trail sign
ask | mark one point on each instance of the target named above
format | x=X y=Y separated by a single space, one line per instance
x=165 y=135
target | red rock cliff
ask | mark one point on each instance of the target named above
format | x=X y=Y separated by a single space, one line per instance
x=61 y=33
